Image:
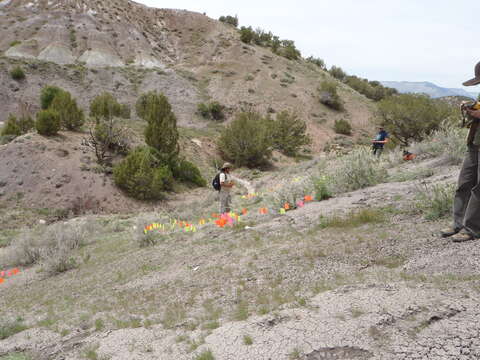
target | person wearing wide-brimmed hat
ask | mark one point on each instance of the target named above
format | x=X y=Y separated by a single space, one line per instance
x=226 y=185
x=466 y=207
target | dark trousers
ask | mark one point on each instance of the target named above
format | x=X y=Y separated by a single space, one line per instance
x=377 y=151
x=466 y=206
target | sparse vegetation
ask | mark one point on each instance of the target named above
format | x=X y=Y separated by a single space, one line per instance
x=337 y=72
x=247 y=340
x=246 y=141
x=435 y=201
x=285 y=48
x=343 y=127
x=317 y=61
x=48 y=122
x=186 y=171
x=231 y=20
x=353 y=219
x=322 y=186
x=205 y=355
x=213 y=110
x=329 y=95
x=11 y=327
x=17 y=73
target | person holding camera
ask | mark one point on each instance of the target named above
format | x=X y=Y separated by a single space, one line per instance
x=466 y=206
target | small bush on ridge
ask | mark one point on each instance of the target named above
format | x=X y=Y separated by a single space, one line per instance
x=71 y=116
x=17 y=73
x=186 y=171
x=231 y=20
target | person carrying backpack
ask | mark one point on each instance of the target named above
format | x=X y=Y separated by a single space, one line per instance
x=223 y=184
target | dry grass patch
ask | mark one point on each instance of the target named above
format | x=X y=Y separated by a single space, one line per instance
x=353 y=219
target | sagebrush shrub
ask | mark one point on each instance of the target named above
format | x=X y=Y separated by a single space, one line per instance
x=343 y=127
x=322 y=186
x=337 y=72
x=246 y=34
x=247 y=140
x=48 y=122
x=142 y=175
x=53 y=246
x=17 y=73
x=357 y=170
x=448 y=142
x=231 y=20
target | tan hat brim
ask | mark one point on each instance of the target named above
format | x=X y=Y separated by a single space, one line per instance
x=474 y=81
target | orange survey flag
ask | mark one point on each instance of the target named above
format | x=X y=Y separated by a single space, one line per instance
x=15 y=271
x=308 y=198
x=286 y=206
x=1 y=280
x=244 y=211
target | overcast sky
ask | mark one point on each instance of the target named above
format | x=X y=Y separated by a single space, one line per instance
x=410 y=40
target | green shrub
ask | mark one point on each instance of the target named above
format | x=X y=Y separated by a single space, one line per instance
x=71 y=117
x=15 y=43
x=142 y=175
x=105 y=106
x=317 y=61
x=125 y=112
x=337 y=72
x=246 y=34
x=329 y=95
x=288 y=50
x=17 y=73
x=322 y=185
x=205 y=355
x=435 y=201
x=11 y=127
x=357 y=170
x=413 y=117
x=343 y=127
x=354 y=218
x=48 y=122
x=231 y=20
x=47 y=95
x=25 y=123
x=161 y=132
x=289 y=133
x=186 y=171
x=247 y=140
x=212 y=110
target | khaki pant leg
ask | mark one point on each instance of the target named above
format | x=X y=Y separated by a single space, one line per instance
x=467 y=181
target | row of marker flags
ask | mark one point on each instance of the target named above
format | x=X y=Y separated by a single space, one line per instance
x=8 y=273
x=222 y=220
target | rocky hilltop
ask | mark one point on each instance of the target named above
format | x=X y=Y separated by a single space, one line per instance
x=123 y=47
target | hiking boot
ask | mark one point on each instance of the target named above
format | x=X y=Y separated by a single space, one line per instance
x=449 y=231
x=463 y=236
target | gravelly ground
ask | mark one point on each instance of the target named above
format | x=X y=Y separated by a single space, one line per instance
x=392 y=290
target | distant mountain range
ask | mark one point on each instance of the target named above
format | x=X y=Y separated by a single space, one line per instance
x=428 y=88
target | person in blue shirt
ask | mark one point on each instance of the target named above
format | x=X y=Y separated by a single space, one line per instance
x=379 y=142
